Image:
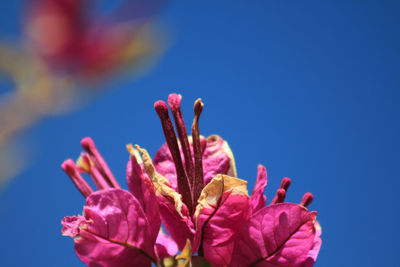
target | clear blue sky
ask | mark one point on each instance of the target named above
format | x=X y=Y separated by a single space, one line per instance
x=311 y=89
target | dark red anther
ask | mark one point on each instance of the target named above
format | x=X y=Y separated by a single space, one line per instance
x=169 y=132
x=94 y=155
x=279 y=197
x=307 y=199
x=198 y=162
x=174 y=102
x=71 y=170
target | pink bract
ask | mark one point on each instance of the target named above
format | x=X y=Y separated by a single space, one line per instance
x=115 y=231
x=278 y=235
x=258 y=200
x=192 y=190
x=217 y=159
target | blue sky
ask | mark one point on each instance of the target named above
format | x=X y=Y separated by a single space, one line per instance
x=310 y=89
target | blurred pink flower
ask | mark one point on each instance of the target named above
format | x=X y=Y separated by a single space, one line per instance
x=68 y=51
x=69 y=36
x=192 y=189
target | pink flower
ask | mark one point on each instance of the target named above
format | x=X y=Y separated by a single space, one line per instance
x=281 y=234
x=119 y=228
x=192 y=188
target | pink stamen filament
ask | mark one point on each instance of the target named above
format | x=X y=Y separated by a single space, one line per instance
x=72 y=171
x=94 y=155
x=307 y=199
x=279 y=197
x=169 y=132
x=281 y=193
x=285 y=183
x=99 y=180
x=174 y=102
x=198 y=161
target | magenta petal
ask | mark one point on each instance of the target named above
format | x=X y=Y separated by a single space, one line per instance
x=178 y=225
x=313 y=253
x=118 y=232
x=165 y=165
x=165 y=246
x=217 y=158
x=258 y=199
x=72 y=225
x=143 y=190
x=94 y=251
x=222 y=209
x=174 y=213
x=277 y=235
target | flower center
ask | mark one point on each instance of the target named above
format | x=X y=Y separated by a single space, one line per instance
x=190 y=176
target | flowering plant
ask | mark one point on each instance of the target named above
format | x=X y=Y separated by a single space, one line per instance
x=191 y=189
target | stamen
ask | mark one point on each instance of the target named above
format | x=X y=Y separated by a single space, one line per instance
x=70 y=169
x=84 y=164
x=169 y=132
x=307 y=199
x=94 y=155
x=281 y=193
x=279 y=197
x=285 y=183
x=198 y=161
x=174 y=102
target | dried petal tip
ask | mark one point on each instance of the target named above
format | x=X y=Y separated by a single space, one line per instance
x=184 y=258
x=134 y=152
x=307 y=199
x=83 y=163
x=174 y=102
x=279 y=197
x=285 y=183
x=72 y=171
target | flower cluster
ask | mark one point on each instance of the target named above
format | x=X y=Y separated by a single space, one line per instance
x=191 y=189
